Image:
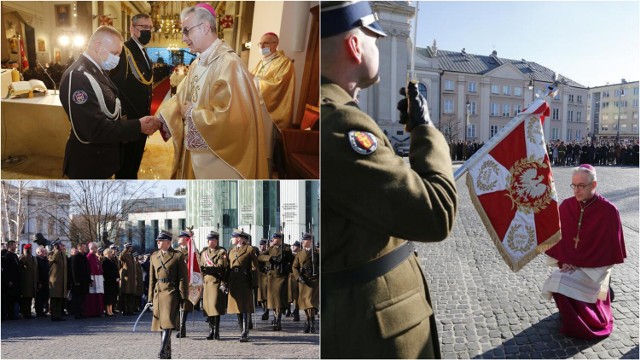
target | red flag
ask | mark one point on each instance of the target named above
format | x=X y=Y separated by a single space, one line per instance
x=195 y=275
x=23 y=57
x=512 y=188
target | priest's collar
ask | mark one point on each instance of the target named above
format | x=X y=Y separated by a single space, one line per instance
x=214 y=45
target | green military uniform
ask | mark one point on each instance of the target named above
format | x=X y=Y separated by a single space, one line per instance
x=28 y=283
x=187 y=306
x=214 y=265
x=58 y=285
x=280 y=259
x=242 y=277
x=263 y=267
x=306 y=273
x=128 y=281
x=168 y=285
x=372 y=201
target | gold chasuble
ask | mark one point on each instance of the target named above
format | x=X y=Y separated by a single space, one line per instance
x=226 y=114
x=277 y=86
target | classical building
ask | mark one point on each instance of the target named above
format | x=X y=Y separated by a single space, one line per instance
x=610 y=105
x=32 y=210
x=258 y=207
x=471 y=97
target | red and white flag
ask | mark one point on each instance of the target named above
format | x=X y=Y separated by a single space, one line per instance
x=195 y=275
x=23 y=57
x=512 y=188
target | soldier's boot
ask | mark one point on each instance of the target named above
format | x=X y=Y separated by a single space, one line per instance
x=165 y=349
x=265 y=315
x=278 y=324
x=307 y=325
x=183 y=326
x=312 y=329
x=216 y=334
x=245 y=328
x=296 y=313
x=212 y=328
x=240 y=320
x=288 y=311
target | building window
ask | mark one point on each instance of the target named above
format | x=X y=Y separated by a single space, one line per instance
x=471 y=130
x=578 y=137
x=506 y=90
x=517 y=91
x=605 y=116
x=570 y=97
x=517 y=109
x=493 y=130
x=579 y=99
x=473 y=87
x=448 y=106
x=570 y=116
x=578 y=116
x=474 y=108
x=623 y=116
x=605 y=127
x=51 y=227
x=495 y=89
x=635 y=128
x=635 y=115
x=422 y=89
x=448 y=85
x=605 y=94
x=557 y=97
x=569 y=135
x=494 y=109
x=615 y=126
x=506 y=110
x=635 y=91
x=555 y=114
x=623 y=127
x=616 y=93
x=554 y=133
x=635 y=103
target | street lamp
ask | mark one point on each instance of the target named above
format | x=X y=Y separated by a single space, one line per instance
x=532 y=86
x=620 y=95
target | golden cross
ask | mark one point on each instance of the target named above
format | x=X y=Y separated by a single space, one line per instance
x=576 y=240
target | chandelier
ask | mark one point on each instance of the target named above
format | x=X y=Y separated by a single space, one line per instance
x=166 y=17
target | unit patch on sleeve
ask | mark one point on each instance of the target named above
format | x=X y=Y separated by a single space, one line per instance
x=363 y=142
x=80 y=97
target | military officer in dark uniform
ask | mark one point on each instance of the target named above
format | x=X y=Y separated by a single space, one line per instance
x=214 y=266
x=134 y=78
x=375 y=299
x=280 y=260
x=168 y=289
x=187 y=307
x=91 y=102
x=306 y=272
x=242 y=278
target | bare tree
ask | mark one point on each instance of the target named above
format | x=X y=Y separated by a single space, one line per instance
x=100 y=207
x=14 y=214
x=449 y=126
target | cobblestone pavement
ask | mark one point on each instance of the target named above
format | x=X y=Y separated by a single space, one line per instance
x=112 y=338
x=484 y=310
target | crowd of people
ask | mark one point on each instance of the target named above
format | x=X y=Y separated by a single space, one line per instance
x=600 y=153
x=92 y=282
x=463 y=150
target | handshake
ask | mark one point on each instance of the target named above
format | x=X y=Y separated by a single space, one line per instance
x=150 y=124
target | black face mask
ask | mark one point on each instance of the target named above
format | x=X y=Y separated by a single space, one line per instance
x=145 y=37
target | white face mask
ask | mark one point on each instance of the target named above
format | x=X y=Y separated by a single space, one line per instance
x=265 y=51
x=111 y=62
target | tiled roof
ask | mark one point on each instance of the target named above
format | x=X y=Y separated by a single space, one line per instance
x=462 y=62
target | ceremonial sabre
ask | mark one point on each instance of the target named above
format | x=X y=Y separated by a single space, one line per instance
x=139 y=316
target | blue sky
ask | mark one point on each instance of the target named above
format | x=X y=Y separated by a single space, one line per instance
x=591 y=42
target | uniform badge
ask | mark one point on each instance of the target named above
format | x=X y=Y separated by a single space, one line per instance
x=80 y=97
x=363 y=142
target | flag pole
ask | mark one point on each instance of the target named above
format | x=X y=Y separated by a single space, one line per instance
x=413 y=44
x=506 y=130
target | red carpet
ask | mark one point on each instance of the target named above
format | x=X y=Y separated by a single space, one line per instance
x=159 y=92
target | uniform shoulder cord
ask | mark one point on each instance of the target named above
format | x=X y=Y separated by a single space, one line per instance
x=138 y=73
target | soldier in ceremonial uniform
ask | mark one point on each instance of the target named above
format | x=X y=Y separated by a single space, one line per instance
x=280 y=259
x=214 y=266
x=187 y=307
x=242 y=278
x=91 y=102
x=306 y=272
x=370 y=273
x=294 y=291
x=58 y=277
x=134 y=78
x=168 y=289
x=263 y=267
x=128 y=280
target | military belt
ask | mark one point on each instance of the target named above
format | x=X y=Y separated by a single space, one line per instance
x=368 y=271
x=164 y=280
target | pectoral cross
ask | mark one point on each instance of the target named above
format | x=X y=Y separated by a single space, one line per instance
x=576 y=240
